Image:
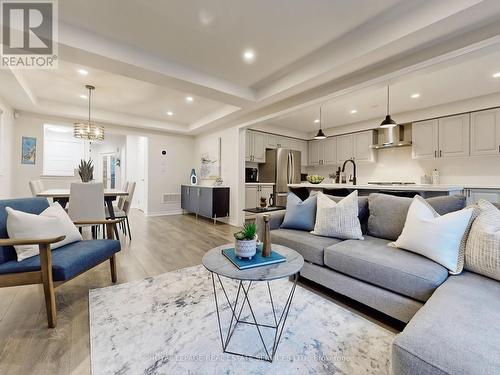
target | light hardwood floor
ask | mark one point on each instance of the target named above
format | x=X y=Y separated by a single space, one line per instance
x=160 y=244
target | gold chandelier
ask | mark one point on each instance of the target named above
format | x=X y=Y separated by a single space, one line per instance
x=88 y=131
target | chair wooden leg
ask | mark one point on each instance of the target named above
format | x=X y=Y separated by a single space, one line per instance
x=112 y=265
x=48 y=284
x=128 y=228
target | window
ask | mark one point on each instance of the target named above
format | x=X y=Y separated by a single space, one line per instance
x=61 y=151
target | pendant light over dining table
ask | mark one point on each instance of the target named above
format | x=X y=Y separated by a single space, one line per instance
x=88 y=130
x=388 y=121
x=320 y=134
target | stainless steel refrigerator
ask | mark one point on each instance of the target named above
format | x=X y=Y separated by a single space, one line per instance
x=282 y=167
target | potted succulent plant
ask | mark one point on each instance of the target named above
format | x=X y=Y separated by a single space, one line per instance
x=246 y=241
x=86 y=170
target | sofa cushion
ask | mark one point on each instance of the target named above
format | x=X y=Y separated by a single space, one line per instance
x=68 y=261
x=455 y=332
x=362 y=208
x=373 y=261
x=388 y=213
x=29 y=205
x=311 y=247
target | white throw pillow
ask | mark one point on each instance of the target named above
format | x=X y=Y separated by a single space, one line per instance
x=339 y=220
x=482 y=252
x=52 y=222
x=440 y=238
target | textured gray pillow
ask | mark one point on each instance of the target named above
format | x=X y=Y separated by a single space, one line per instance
x=299 y=214
x=388 y=213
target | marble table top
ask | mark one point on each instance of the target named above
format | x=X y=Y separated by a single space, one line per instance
x=216 y=262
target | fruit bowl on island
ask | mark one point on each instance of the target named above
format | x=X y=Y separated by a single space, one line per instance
x=315 y=179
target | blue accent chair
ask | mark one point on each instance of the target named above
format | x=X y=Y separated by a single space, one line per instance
x=52 y=267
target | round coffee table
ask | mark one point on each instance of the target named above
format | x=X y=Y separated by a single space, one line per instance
x=219 y=265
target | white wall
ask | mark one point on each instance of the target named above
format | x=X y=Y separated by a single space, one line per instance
x=166 y=173
x=232 y=165
x=6 y=138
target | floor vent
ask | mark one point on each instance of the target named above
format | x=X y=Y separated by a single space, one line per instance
x=171 y=198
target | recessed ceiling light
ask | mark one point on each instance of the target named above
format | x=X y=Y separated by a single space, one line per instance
x=353 y=111
x=249 y=56
x=415 y=96
x=496 y=75
x=189 y=99
x=316 y=121
x=83 y=72
x=170 y=113
x=83 y=96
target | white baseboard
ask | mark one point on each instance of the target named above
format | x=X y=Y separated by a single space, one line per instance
x=165 y=213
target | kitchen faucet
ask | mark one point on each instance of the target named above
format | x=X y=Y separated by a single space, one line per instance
x=353 y=172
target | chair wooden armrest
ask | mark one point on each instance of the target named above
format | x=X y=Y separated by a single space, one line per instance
x=99 y=222
x=30 y=241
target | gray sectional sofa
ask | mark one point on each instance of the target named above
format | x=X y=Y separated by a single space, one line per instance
x=453 y=321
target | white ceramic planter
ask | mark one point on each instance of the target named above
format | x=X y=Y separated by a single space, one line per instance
x=245 y=248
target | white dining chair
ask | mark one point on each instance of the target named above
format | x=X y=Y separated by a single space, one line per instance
x=121 y=200
x=123 y=213
x=36 y=187
x=86 y=203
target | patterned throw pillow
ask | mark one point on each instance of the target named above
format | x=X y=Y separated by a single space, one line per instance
x=482 y=252
x=339 y=220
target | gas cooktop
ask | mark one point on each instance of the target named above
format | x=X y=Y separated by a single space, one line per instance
x=391 y=183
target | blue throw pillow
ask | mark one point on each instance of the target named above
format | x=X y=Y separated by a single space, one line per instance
x=299 y=214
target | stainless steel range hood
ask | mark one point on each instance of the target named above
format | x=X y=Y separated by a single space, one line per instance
x=391 y=137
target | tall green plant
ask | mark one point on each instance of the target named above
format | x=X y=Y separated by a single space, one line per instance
x=86 y=170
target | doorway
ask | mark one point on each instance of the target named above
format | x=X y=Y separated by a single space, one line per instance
x=137 y=169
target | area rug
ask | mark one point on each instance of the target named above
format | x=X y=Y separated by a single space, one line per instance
x=168 y=325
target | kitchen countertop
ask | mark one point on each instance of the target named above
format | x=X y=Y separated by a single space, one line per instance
x=259 y=183
x=416 y=187
x=207 y=186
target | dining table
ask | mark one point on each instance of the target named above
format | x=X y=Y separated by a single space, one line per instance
x=62 y=196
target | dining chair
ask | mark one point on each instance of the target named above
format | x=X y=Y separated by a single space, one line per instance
x=121 y=200
x=123 y=213
x=86 y=203
x=36 y=187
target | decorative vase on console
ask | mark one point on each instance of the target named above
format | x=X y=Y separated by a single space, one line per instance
x=193 y=178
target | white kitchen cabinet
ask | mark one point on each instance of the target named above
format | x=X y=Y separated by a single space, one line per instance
x=447 y=137
x=300 y=145
x=255 y=146
x=485 y=133
x=329 y=150
x=253 y=193
x=425 y=139
x=490 y=195
x=345 y=147
x=272 y=141
x=361 y=143
x=315 y=149
x=454 y=136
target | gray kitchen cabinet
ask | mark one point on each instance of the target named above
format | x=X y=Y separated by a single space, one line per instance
x=490 y=195
x=255 y=146
x=485 y=133
x=207 y=201
x=447 y=137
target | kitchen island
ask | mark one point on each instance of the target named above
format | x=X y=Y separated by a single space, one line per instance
x=425 y=190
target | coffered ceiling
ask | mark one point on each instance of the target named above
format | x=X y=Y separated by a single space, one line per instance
x=146 y=58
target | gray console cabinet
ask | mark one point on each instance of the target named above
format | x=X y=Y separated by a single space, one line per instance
x=207 y=201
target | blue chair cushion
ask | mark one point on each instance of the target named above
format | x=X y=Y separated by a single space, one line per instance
x=30 y=205
x=68 y=261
